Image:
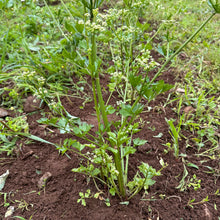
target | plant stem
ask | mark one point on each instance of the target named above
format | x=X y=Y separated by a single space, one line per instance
x=98 y=91
x=101 y=103
x=118 y=165
x=186 y=42
x=95 y=102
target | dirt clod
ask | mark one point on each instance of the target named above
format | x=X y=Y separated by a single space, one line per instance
x=188 y=110
x=44 y=179
x=32 y=104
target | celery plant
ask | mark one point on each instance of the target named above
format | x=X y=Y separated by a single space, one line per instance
x=111 y=147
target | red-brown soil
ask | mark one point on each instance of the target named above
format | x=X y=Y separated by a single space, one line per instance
x=58 y=200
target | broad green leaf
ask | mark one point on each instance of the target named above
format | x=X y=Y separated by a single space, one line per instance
x=112 y=138
x=149 y=182
x=79 y=27
x=95 y=172
x=122 y=138
x=110 y=109
x=135 y=80
x=113 y=150
x=138 y=141
x=151 y=91
x=128 y=150
x=70 y=27
x=144 y=26
x=112 y=191
x=63 y=125
x=126 y=110
x=78 y=146
x=47 y=121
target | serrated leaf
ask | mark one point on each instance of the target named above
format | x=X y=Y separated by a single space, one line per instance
x=126 y=110
x=112 y=191
x=113 y=150
x=47 y=121
x=78 y=146
x=135 y=80
x=151 y=91
x=128 y=150
x=63 y=125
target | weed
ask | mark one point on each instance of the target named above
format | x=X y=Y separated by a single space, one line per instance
x=191 y=202
x=5 y=203
x=175 y=134
x=10 y=127
x=88 y=194
x=23 y=205
x=194 y=182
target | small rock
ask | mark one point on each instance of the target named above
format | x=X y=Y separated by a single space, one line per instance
x=44 y=179
x=180 y=90
x=9 y=211
x=188 y=110
x=3 y=113
x=32 y=104
x=3 y=178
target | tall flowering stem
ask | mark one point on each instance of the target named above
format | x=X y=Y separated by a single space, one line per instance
x=184 y=44
x=97 y=90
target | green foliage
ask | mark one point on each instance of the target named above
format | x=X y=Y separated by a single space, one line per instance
x=10 y=127
x=175 y=134
x=215 y=4
x=41 y=54
x=92 y=29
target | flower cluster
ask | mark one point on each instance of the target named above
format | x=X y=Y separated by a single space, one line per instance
x=145 y=60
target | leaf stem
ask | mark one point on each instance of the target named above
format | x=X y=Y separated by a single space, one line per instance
x=186 y=42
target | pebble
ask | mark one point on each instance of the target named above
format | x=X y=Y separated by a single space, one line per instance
x=3 y=113
x=189 y=109
x=9 y=211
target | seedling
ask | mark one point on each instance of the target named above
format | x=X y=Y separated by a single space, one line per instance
x=5 y=203
x=194 y=182
x=175 y=134
x=191 y=202
x=84 y=196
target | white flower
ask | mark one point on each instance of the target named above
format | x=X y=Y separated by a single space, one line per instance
x=81 y=22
